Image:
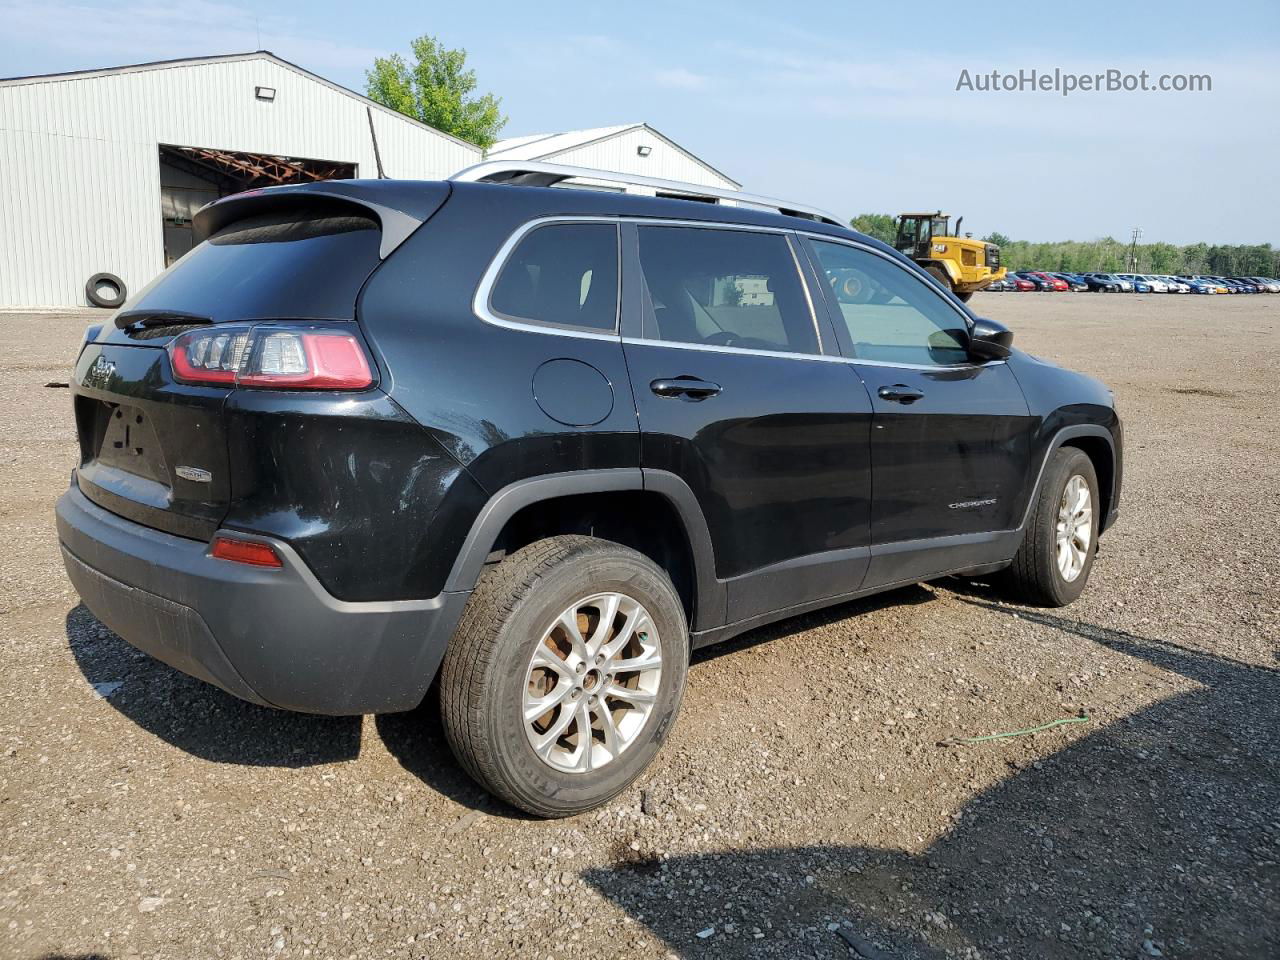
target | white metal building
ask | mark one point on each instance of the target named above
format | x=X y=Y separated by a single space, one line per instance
x=101 y=170
x=634 y=148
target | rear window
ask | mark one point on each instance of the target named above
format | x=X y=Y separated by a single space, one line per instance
x=306 y=263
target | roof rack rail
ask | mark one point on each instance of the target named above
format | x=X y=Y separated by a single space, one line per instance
x=532 y=173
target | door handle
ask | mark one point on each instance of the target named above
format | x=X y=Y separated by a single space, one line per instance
x=686 y=388
x=900 y=393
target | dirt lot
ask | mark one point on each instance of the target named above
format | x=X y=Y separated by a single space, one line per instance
x=803 y=807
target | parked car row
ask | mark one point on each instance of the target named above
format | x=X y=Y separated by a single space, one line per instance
x=1025 y=280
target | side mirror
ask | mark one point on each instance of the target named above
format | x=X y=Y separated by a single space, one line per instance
x=989 y=340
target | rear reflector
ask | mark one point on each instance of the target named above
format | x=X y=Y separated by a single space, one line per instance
x=246 y=551
x=272 y=356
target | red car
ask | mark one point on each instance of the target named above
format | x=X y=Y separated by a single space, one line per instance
x=1019 y=283
x=1058 y=284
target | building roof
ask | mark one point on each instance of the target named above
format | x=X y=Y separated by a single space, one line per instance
x=226 y=58
x=539 y=146
x=547 y=146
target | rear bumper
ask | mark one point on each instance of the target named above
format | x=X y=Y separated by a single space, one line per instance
x=272 y=637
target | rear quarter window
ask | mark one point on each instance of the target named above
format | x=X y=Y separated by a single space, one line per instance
x=561 y=274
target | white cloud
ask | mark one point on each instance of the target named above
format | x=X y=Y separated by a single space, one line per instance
x=678 y=78
x=146 y=30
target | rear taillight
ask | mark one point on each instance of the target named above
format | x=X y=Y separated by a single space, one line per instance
x=273 y=357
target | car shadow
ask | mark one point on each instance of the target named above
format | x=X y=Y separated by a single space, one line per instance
x=416 y=739
x=909 y=596
x=1155 y=835
x=208 y=723
x=197 y=717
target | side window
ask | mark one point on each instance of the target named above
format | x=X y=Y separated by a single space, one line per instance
x=728 y=288
x=565 y=274
x=891 y=315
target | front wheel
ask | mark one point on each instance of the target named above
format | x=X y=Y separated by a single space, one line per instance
x=1053 y=563
x=565 y=674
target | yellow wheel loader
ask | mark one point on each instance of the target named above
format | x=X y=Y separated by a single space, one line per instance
x=960 y=263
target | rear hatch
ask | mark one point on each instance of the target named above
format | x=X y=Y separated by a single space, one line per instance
x=155 y=450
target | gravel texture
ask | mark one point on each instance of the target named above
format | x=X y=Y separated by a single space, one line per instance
x=801 y=808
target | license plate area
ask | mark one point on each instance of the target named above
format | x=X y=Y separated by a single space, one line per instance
x=129 y=442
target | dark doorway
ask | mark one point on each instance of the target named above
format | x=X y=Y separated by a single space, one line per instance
x=190 y=177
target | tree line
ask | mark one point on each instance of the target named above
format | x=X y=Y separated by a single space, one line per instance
x=1109 y=255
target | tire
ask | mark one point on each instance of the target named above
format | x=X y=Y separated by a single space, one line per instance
x=488 y=674
x=106 y=290
x=939 y=275
x=1035 y=576
x=963 y=297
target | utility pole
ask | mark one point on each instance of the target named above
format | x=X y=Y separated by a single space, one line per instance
x=1133 y=250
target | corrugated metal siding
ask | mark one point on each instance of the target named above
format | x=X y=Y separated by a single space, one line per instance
x=79 y=161
x=618 y=153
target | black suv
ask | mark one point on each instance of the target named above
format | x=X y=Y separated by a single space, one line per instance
x=540 y=443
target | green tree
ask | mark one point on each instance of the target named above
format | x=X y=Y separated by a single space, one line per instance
x=1163 y=257
x=882 y=226
x=438 y=90
x=999 y=239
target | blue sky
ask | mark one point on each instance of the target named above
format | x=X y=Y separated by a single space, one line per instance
x=848 y=105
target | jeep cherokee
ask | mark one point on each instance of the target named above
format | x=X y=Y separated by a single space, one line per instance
x=539 y=444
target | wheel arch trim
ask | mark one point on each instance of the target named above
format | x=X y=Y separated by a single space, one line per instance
x=1060 y=439
x=708 y=601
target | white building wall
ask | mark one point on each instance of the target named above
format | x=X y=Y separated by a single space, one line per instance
x=619 y=153
x=79 y=160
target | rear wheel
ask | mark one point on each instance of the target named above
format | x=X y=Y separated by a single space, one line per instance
x=565 y=674
x=964 y=297
x=1053 y=564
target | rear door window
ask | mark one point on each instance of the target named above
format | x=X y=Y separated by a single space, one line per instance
x=561 y=274
x=725 y=288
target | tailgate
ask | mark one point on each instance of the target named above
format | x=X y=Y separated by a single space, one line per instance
x=151 y=450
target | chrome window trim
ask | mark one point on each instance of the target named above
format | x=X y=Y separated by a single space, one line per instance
x=857 y=361
x=823 y=358
x=715 y=348
x=480 y=303
x=482 y=306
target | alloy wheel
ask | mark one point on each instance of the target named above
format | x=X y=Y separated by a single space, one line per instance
x=592 y=683
x=1075 y=527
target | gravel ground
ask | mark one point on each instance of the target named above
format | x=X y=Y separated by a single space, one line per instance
x=802 y=808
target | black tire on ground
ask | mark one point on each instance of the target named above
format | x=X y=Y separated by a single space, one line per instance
x=939 y=274
x=1034 y=576
x=963 y=297
x=485 y=669
x=106 y=290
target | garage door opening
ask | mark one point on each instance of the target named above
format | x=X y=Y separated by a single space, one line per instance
x=190 y=177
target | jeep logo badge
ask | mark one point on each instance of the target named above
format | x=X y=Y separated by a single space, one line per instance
x=100 y=371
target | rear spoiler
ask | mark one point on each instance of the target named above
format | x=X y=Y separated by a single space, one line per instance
x=400 y=206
